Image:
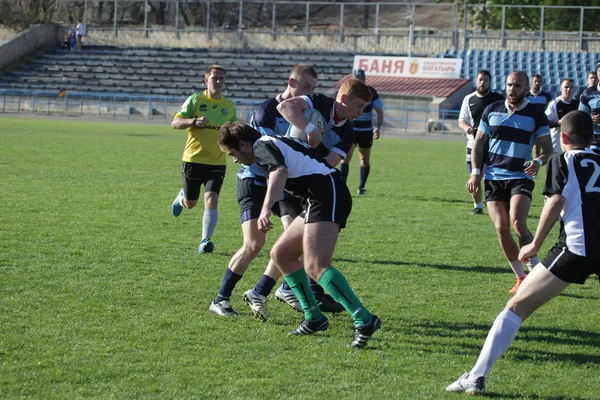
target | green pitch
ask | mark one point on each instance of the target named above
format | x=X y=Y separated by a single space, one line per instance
x=102 y=293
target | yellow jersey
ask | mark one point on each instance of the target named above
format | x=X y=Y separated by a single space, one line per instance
x=202 y=143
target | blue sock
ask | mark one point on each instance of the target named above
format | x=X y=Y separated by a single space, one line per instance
x=264 y=285
x=230 y=279
x=285 y=285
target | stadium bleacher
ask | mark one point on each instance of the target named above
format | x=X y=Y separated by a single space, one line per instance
x=552 y=65
x=172 y=72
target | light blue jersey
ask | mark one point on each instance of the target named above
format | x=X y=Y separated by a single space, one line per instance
x=511 y=138
x=269 y=122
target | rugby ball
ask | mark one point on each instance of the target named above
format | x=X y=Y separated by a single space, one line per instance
x=314 y=117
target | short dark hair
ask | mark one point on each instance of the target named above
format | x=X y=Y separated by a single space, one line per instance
x=300 y=70
x=592 y=73
x=568 y=80
x=232 y=133
x=213 y=67
x=484 y=72
x=578 y=127
x=536 y=76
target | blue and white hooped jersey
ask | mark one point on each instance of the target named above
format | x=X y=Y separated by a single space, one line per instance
x=542 y=99
x=511 y=138
x=590 y=103
x=269 y=122
x=364 y=122
x=338 y=137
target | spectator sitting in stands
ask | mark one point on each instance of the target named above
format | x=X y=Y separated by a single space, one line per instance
x=67 y=41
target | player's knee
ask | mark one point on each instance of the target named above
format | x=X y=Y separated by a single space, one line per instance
x=190 y=203
x=520 y=228
x=253 y=246
x=502 y=228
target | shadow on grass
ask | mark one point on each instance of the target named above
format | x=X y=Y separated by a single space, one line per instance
x=477 y=268
x=537 y=334
x=493 y=395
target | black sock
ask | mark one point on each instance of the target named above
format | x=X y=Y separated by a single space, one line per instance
x=230 y=279
x=285 y=285
x=316 y=289
x=344 y=170
x=364 y=175
x=264 y=285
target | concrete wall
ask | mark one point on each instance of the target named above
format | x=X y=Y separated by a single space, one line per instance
x=27 y=41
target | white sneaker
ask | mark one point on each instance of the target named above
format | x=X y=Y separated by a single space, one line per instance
x=468 y=386
x=288 y=297
x=258 y=305
x=222 y=308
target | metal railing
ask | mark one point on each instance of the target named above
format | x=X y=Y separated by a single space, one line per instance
x=340 y=19
x=120 y=107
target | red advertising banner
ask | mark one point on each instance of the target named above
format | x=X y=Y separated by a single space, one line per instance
x=409 y=67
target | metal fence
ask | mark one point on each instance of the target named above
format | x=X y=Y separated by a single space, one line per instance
x=455 y=24
x=398 y=120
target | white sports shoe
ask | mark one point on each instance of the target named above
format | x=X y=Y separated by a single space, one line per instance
x=222 y=308
x=258 y=305
x=288 y=297
x=468 y=386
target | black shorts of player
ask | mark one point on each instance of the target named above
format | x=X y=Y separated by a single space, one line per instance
x=569 y=267
x=195 y=175
x=364 y=139
x=505 y=189
x=250 y=198
x=290 y=205
x=329 y=201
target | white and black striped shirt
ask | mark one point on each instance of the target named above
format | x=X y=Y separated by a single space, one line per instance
x=301 y=161
x=575 y=175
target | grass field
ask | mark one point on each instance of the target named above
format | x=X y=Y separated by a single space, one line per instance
x=102 y=294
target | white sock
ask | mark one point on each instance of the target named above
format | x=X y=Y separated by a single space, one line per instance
x=499 y=339
x=517 y=267
x=534 y=261
x=478 y=205
x=209 y=222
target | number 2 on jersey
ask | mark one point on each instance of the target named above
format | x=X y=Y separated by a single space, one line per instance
x=591 y=185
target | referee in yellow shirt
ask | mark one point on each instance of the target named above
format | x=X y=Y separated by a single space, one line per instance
x=202 y=115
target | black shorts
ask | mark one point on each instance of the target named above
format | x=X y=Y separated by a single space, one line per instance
x=195 y=175
x=505 y=189
x=569 y=267
x=290 y=205
x=329 y=201
x=364 y=139
x=250 y=198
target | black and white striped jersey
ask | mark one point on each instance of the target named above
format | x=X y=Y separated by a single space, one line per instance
x=575 y=175
x=301 y=161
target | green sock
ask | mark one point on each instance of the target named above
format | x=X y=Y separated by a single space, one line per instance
x=298 y=282
x=338 y=287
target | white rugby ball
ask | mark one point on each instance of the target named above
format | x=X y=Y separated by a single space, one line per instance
x=314 y=117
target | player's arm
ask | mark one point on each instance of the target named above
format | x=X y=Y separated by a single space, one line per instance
x=186 y=118
x=185 y=123
x=479 y=146
x=275 y=184
x=293 y=111
x=544 y=143
x=464 y=118
x=379 y=123
x=550 y=214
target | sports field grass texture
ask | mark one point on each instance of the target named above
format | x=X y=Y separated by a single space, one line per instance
x=102 y=294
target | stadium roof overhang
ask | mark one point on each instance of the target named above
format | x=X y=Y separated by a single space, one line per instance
x=421 y=87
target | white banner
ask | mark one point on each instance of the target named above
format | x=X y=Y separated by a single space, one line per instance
x=409 y=67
